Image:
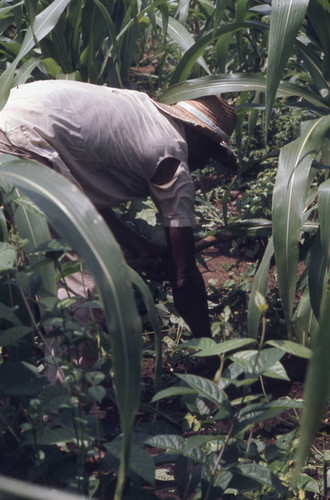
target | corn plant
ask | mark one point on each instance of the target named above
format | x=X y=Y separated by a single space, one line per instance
x=75 y=219
x=294 y=203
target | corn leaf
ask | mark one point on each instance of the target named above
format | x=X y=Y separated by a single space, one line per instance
x=259 y=285
x=285 y=21
x=155 y=322
x=317 y=387
x=238 y=82
x=182 y=37
x=74 y=217
x=185 y=65
x=43 y=24
x=289 y=199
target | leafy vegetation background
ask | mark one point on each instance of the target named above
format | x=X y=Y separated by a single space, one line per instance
x=271 y=60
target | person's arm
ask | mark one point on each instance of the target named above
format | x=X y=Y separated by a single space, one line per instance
x=130 y=239
x=189 y=292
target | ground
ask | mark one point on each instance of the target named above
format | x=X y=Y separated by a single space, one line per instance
x=223 y=265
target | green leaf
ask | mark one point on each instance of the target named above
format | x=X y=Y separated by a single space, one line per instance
x=20 y=379
x=292 y=181
x=173 y=391
x=236 y=82
x=175 y=444
x=253 y=414
x=265 y=363
x=43 y=24
x=7 y=256
x=8 y=313
x=76 y=220
x=155 y=322
x=260 y=474
x=324 y=204
x=11 y=336
x=313 y=64
x=285 y=21
x=182 y=37
x=171 y=442
x=259 y=285
x=56 y=435
x=317 y=274
x=186 y=63
x=291 y=348
x=317 y=387
x=97 y=393
x=140 y=461
x=210 y=348
x=304 y=321
x=319 y=15
x=53 y=396
x=207 y=389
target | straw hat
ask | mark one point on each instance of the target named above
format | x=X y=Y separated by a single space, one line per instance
x=212 y=115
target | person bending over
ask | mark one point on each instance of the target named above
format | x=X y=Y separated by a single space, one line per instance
x=120 y=145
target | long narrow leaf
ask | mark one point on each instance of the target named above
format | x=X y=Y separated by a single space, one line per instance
x=43 y=24
x=237 y=82
x=317 y=274
x=285 y=21
x=324 y=213
x=259 y=285
x=319 y=15
x=76 y=220
x=182 y=37
x=314 y=66
x=317 y=388
x=288 y=205
x=185 y=65
x=154 y=320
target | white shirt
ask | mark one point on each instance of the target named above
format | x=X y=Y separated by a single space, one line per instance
x=109 y=141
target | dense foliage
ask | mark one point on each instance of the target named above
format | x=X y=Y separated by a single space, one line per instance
x=276 y=74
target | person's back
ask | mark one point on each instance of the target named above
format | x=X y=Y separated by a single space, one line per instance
x=109 y=141
x=120 y=145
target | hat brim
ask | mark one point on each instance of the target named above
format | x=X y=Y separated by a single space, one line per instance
x=182 y=115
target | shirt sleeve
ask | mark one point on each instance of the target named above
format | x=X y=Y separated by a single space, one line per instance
x=175 y=200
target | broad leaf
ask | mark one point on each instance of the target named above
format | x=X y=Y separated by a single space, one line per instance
x=207 y=389
x=11 y=336
x=260 y=474
x=172 y=391
x=207 y=347
x=291 y=348
x=20 y=379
